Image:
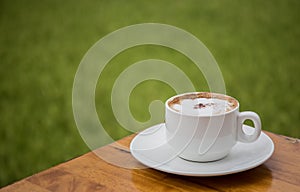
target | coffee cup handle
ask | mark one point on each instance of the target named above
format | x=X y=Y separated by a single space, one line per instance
x=244 y=137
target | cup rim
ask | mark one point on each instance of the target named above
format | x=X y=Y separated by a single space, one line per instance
x=199 y=115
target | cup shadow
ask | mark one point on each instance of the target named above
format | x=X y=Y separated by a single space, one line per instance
x=260 y=177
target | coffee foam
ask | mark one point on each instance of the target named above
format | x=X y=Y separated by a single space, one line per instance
x=203 y=104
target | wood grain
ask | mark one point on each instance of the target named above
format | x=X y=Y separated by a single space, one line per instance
x=91 y=173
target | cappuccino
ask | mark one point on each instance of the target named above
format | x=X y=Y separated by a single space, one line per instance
x=203 y=126
x=203 y=104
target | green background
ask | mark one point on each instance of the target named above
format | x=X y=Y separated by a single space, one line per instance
x=256 y=44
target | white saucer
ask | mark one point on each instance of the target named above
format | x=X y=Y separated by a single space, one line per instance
x=151 y=149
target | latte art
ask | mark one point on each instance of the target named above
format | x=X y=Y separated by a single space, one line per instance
x=202 y=104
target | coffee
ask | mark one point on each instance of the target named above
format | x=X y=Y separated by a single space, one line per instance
x=203 y=126
x=203 y=103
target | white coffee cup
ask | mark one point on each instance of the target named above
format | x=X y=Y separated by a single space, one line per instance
x=204 y=126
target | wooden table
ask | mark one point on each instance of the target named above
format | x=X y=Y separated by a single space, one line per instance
x=90 y=173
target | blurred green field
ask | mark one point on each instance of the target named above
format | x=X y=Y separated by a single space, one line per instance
x=256 y=44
